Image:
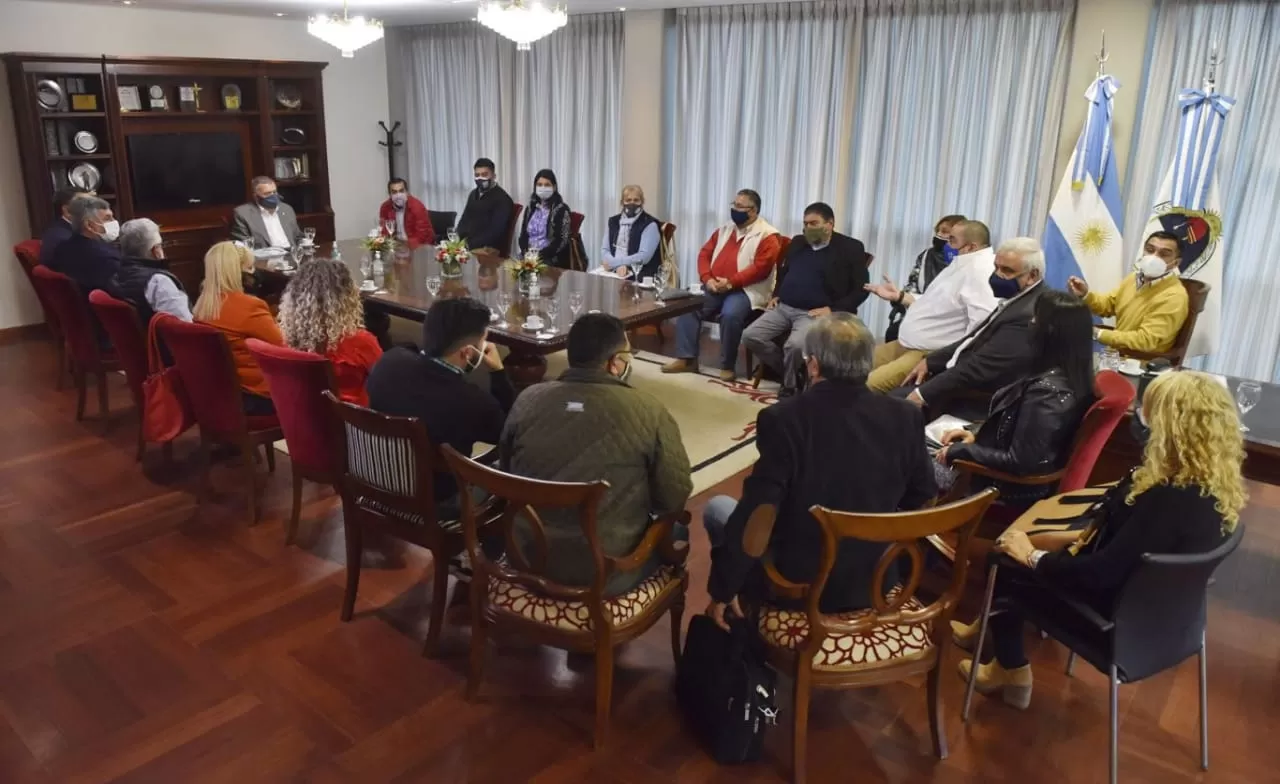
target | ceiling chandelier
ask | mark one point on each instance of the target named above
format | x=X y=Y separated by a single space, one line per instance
x=522 y=21
x=346 y=33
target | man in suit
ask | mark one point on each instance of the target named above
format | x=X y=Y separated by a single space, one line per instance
x=822 y=272
x=413 y=223
x=267 y=220
x=839 y=445
x=487 y=215
x=89 y=256
x=997 y=351
x=59 y=230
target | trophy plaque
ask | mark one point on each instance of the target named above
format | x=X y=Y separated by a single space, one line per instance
x=158 y=102
x=84 y=102
x=231 y=98
x=130 y=100
x=187 y=99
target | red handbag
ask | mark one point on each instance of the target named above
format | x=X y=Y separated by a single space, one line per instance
x=166 y=413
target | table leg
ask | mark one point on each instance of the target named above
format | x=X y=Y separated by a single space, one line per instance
x=525 y=368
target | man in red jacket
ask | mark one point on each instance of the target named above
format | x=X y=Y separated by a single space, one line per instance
x=413 y=225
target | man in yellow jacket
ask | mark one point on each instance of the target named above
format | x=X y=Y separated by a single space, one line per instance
x=1150 y=305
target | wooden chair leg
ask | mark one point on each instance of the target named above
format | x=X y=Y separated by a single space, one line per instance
x=479 y=633
x=984 y=618
x=1115 y=724
x=936 y=726
x=677 y=618
x=63 y=365
x=103 y=406
x=291 y=534
x=1204 y=707
x=251 y=475
x=439 y=601
x=800 y=730
x=142 y=442
x=604 y=689
x=355 y=552
x=81 y=391
x=271 y=457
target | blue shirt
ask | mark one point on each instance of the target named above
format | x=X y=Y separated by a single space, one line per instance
x=803 y=286
x=648 y=244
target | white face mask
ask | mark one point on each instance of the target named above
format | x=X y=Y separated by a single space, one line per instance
x=1152 y=267
x=544 y=193
x=111 y=231
x=472 y=364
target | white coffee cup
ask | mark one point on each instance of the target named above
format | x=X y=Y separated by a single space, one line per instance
x=1131 y=366
x=647 y=281
x=533 y=322
x=696 y=288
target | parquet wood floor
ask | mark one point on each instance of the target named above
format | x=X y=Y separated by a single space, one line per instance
x=143 y=640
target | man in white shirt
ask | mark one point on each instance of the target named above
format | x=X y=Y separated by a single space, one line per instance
x=268 y=221
x=957 y=300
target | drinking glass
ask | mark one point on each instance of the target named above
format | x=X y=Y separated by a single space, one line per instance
x=433 y=284
x=553 y=317
x=660 y=282
x=576 y=300
x=309 y=233
x=504 y=304
x=635 y=280
x=1248 y=394
x=1111 y=359
x=366 y=265
x=296 y=253
x=452 y=234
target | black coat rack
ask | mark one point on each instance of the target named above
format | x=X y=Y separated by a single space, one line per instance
x=391 y=144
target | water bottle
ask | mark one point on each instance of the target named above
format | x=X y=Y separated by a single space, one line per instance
x=379 y=277
x=337 y=253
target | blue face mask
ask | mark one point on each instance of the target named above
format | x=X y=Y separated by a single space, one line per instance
x=1003 y=288
x=738 y=217
x=270 y=202
x=949 y=253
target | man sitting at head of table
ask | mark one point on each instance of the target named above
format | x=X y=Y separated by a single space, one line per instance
x=956 y=301
x=267 y=220
x=736 y=269
x=487 y=216
x=633 y=237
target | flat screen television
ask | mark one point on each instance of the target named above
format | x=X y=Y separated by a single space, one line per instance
x=171 y=171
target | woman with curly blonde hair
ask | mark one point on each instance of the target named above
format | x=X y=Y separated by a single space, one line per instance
x=1184 y=498
x=320 y=312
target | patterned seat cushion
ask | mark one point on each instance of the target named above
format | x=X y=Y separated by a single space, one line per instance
x=888 y=644
x=452 y=526
x=573 y=615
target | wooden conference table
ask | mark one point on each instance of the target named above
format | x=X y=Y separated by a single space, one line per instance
x=404 y=293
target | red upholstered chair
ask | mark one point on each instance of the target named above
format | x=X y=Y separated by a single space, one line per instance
x=64 y=298
x=28 y=253
x=512 y=225
x=208 y=375
x=121 y=322
x=576 y=260
x=298 y=381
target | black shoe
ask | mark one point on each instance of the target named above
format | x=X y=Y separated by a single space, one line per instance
x=786 y=392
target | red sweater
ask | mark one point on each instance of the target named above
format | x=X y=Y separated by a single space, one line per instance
x=352 y=360
x=725 y=264
x=417 y=224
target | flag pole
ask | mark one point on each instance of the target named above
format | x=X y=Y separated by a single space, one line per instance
x=1215 y=59
x=1103 y=56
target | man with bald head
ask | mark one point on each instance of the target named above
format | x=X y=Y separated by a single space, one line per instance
x=957 y=301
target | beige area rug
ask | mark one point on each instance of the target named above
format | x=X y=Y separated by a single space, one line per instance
x=717 y=419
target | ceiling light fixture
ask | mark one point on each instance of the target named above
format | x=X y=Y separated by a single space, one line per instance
x=347 y=33
x=522 y=21
x=279 y=13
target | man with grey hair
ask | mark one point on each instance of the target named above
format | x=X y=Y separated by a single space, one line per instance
x=838 y=445
x=141 y=280
x=998 y=350
x=89 y=256
x=266 y=220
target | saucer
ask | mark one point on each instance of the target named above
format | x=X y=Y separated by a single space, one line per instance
x=368 y=285
x=531 y=327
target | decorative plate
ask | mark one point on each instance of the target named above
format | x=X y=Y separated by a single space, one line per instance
x=293 y=135
x=86 y=142
x=49 y=94
x=85 y=176
x=289 y=97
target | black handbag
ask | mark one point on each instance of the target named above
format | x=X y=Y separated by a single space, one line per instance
x=726 y=689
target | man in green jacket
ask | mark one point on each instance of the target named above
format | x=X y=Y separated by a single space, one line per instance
x=590 y=424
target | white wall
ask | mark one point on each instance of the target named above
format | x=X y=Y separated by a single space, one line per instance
x=642 y=86
x=355 y=97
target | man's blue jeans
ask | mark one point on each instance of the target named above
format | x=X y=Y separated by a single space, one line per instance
x=734 y=308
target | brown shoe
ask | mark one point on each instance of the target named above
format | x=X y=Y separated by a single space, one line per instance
x=728 y=375
x=681 y=366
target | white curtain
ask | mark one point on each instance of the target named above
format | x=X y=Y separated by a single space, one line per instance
x=895 y=112
x=470 y=94
x=1248 y=34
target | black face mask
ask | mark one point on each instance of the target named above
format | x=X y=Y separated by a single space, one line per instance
x=939 y=243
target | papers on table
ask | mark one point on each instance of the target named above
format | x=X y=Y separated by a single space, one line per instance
x=1221 y=380
x=934 y=431
x=603 y=271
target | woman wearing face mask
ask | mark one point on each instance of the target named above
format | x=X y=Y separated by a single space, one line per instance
x=931 y=261
x=321 y=312
x=1184 y=498
x=546 y=227
x=634 y=236
x=1033 y=422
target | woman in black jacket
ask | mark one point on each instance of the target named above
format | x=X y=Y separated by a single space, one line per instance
x=1185 y=498
x=1033 y=421
x=547 y=227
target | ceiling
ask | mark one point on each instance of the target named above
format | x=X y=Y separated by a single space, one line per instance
x=395 y=12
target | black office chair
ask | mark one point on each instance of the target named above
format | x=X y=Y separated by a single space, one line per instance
x=441 y=222
x=1158 y=622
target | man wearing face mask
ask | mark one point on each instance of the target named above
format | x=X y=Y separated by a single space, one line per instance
x=413 y=223
x=487 y=215
x=432 y=384
x=588 y=425
x=633 y=237
x=141 y=281
x=823 y=272
x=1150 y=305
x=928 y=265
x=736 y=269
x=956 y=301
x=996 y=352
x=90 y=256
x=267 y=220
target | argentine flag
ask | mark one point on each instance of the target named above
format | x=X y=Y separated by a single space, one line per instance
x=1085 y=220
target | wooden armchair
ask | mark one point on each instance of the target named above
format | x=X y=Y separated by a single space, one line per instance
x=514 y=593
x=896 y=638
x=1197 y=294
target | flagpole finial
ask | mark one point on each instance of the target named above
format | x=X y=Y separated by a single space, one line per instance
x=1215 y=59
x=1103 y=56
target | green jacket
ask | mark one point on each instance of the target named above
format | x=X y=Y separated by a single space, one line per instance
x=588 y=425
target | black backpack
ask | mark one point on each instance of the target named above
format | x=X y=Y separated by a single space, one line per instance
x=725 y=689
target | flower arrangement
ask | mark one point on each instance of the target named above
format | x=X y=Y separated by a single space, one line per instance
x=528 y=266
x=452 y=254
x=379 y=242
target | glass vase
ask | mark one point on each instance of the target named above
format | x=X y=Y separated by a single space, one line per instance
x=451 y=268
